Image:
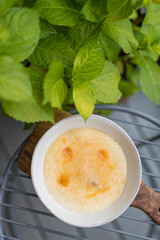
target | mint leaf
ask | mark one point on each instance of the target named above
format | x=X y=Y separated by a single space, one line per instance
x=122 y=9
x=18 y=3
x=132 y=74
x=156 y=46
x=5 y=4
x=4 y=33
x=122 y=33
x=88 y=63
x=94 y=10
x=61 y=12
x=46 y=29
x=81 y=1
x=55 y=89
x=105 y=85
x=110 y=48
x=153 y=17
x=29 y=3
x=31 y=111
x=149 y=31
x=23 y=37
x=99 y=7
x=134 y=15
x=14 y=81
x=55 y=46
x=69 y=97
x=88 y=12
x=84 y=100
x=149 y=79
x=150 y=54
x=155 y=1
x=128 y=88
x=82 y=33
x=143 y=41
x=120 y=66
x=103 y=88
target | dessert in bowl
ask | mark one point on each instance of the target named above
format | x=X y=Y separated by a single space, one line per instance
x=85 y=170
x=86 y=174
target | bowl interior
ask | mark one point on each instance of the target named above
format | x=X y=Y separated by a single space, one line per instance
x=133 y=171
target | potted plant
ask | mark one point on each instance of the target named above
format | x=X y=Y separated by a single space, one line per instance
x=60 y=53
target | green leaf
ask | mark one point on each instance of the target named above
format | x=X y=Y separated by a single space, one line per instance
x=18 y=3
x=136 y=59
x=88 y=13
x=4 y=33
x=149 y=79
x=46 y=29
x=132 y=74
x=99 y=7
x=94 y=10
x=134 y=15
x=150 y=54
x=55 y=89
x=14 y=81
x=88 y=63
x=105 y=85
x=69 y=98
x=153 y=17
x=156 y=46
x=61 y=29
x=29 y=3
x=5 y=4
x=23 y=36
x=147 y=34
x=103 y=88
x=31 y=111
x=128 y=88
x=145 y=2
x=110 y=48
x=143 y=42
x=149 y=31
x=122 y=9
x=55 y=46
x=120 y=65
x=121 y=32
x=61 y=12
x=84 y=100
x=135 y=27
x=82 y=33
x=82 y=2
x=27 y=126
x=155 y=1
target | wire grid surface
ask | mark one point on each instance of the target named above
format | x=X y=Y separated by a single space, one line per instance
x=23 y=217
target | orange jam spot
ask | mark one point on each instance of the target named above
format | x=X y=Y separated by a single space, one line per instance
x=65 y=162
x=88 y=187
x=102 y=154
x=98 y=192
x=77 y=174
x=63 y=180
x=67 y=153
x=64 y=140
x=111 y=167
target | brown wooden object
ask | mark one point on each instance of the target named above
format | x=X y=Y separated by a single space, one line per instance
x=148 y=201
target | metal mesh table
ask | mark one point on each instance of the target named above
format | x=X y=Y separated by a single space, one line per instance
x=22 y=215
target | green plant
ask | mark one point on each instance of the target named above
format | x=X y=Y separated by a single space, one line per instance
x=56 y=53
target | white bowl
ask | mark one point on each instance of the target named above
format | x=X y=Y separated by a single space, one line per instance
x=134 y=171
